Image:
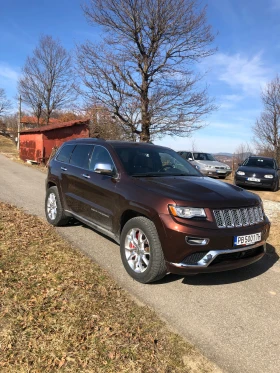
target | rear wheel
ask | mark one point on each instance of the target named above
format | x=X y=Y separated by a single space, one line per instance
x=53 y=208
x=141 y=250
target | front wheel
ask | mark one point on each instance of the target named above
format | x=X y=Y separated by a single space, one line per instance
x=141 y=250
x=235 y=183
x=276 y=186
x=53 y=208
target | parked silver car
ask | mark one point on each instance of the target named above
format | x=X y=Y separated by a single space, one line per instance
x=207 y=164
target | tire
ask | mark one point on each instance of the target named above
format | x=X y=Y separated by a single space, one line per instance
x=147 y=265
x=276 y=186
x=53 y=208
x=222 y=177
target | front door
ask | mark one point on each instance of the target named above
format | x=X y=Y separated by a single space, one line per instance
x=100 y=190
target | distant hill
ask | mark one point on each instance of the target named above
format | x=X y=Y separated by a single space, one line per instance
x=225 y=154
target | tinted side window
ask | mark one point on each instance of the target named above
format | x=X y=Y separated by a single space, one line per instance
x=65 y=153
x=100 y=155
x=80 y=156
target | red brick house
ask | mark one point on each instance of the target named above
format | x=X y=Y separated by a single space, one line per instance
x=36 y=144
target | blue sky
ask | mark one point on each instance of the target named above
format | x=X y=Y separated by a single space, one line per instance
x=248 y=57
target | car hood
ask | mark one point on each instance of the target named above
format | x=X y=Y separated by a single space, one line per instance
x=211 y=163
x=199 y=191
x=257 y=170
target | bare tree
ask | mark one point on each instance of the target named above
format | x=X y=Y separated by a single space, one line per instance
x=47 y=79
x=267 y=126
x=142 y=70
x=10 y=124
x=243 y=151
x=103 y=124
x=194 y=146
x=264 y=150
x=5 y=104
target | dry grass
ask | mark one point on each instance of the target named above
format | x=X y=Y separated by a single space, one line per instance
x=8 y=147
x=60 y=312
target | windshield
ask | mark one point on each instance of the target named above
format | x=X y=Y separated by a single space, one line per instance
x=153 y=161
x=203 y=157
x=259 y=162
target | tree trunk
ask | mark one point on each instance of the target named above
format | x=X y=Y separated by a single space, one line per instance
x=145 y=115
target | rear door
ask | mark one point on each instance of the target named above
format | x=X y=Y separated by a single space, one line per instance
x=74 y=179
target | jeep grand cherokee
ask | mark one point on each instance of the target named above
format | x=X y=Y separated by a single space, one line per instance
x=166 y=216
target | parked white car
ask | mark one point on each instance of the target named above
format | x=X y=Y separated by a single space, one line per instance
x=207 y=164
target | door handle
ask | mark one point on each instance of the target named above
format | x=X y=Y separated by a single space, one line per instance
x=63 y=168
x=86 y=176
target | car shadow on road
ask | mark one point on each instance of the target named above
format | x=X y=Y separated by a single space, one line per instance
x=228 y=277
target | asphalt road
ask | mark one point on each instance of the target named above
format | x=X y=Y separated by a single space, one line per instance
x=233 y=318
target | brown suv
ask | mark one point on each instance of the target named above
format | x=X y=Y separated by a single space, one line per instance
x=165 y=214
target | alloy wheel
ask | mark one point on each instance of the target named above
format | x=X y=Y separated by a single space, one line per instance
x=137 y=250
x=52 y=206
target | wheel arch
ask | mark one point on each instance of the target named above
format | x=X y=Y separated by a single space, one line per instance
x=129 y=214
x=50 y=184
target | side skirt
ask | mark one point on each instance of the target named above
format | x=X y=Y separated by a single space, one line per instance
x=96 y=227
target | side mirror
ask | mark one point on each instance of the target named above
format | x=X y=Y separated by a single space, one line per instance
x=190 y=159
x=104 y=169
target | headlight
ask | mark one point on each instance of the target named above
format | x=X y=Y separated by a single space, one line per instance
x=187 y=212
x=228 y=168
x=241 y=173
x=268 y=176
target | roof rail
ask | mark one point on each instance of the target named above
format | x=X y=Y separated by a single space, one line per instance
x=89 y=139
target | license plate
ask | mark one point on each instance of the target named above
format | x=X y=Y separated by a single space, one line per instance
x=248 y=239
x=221 y=172
x=254 y=179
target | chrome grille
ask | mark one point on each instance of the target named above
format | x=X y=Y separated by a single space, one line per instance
x=238 y=217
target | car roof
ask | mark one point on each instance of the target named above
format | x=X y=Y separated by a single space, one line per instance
x=114 y=143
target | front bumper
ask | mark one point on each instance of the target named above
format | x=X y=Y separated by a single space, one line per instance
x=215 y=173
x=264 y=183
x=219 y=260
x=216 y=252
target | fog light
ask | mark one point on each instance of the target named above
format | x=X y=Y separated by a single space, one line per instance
x=196 y=241
x=208 y=258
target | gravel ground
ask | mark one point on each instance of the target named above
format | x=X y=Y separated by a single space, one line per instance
x=272 y=209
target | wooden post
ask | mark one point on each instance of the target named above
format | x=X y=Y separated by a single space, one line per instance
x=19 y=120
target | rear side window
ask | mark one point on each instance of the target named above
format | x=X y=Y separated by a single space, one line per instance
x=80 y=156
x=65 y=153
